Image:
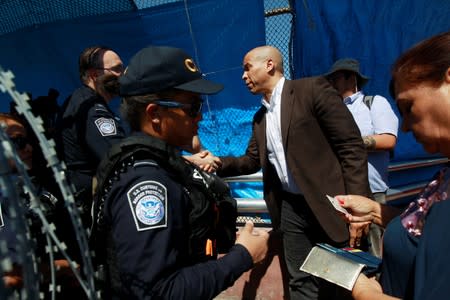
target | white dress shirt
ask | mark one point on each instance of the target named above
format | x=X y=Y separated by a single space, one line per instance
x=275 y=149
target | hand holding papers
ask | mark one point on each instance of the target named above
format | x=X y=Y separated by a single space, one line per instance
x=336 y=205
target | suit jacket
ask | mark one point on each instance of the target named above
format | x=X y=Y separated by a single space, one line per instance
x=323 y=147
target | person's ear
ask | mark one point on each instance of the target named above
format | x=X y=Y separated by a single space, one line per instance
x=92 y=73
x=152 y=113
x=447 y=75
x=270 y=65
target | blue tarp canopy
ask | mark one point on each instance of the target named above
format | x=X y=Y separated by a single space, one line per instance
x=216 y=33
x=40 y=42
x=374 y=32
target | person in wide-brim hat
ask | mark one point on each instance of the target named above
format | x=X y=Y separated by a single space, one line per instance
x=348 y=64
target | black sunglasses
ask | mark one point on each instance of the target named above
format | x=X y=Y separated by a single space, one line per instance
x=116 y=69
x=191 y=109
x=20 y=142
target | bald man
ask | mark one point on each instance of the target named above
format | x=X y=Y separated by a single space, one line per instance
x=308 y=145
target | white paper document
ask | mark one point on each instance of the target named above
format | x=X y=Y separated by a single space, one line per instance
x=336 y=205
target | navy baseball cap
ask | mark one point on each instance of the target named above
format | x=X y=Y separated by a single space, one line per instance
x=155 y=69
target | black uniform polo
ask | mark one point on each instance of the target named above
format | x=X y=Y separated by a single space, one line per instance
x=88 y=129
x=147 y=213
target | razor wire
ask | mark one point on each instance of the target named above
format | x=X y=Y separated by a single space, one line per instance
x=18 y=224
x=58 y=168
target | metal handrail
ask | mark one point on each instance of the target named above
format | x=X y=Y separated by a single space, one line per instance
x=258 y=205
x=393 y=167
x=405 y=191
x=401 y=166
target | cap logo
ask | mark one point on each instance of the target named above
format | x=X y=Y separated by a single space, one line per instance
x=190 y=65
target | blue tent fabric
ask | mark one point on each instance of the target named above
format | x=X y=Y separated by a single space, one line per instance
x=46 y=55
x=40 y=42
x=49 y=52
x=216 y=33
x=374 y=32
x=18 y=14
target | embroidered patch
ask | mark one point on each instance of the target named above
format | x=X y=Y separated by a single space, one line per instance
x=148 y=203
x=106 y=126
x=2 y=223
x=100 y=108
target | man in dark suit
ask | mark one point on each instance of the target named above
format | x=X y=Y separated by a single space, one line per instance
x=308 y=146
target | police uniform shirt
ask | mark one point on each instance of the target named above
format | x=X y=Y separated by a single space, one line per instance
x=7 y=236
x=147 y=213
x=89 y=129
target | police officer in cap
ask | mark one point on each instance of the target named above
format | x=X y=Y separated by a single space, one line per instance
x=151 y=206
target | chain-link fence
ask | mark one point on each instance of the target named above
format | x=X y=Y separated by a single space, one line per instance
x=227 y=131
x=19 y=14
x=279 y=20
x=224 y=131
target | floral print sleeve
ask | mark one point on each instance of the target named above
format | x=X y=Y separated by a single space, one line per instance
x=414 y=217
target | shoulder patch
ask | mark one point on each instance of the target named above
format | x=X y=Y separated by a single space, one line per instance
x=106 y=126
x=2 y=223
x=145 y=163
x=100 y=107
x=148 y=203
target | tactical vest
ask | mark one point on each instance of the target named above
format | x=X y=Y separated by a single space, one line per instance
x=213 y=212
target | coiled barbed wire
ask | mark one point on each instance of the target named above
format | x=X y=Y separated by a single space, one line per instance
x=58 y=168
x=13 y=207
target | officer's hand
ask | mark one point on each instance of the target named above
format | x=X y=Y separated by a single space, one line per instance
x=205 y=160
x=209 y=163
x=255 y=241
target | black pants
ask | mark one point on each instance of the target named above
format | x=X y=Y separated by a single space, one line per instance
x=301 y=231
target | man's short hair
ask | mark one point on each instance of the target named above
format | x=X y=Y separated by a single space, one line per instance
x=91 y=58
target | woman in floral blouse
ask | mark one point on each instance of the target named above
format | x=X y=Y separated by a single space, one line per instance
x=416 y=244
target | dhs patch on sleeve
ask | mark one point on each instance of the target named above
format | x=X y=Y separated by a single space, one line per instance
x=148 y=203
x=106 y=126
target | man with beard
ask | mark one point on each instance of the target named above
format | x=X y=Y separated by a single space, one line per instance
x=87 y=125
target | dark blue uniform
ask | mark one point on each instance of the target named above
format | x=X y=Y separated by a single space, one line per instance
x=8 y=236
x=9 y=255
x=147 y=213
x=88 y=129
